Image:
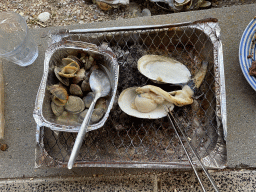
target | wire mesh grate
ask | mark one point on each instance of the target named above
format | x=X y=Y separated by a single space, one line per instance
x=126 y=141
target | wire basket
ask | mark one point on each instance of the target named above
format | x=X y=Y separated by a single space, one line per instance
x=126 y=141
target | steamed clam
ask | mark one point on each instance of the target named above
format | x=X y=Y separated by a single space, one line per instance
x=126 y=103
x=63 y=80
x=98 y=112
x=76 y=90
x=88 y=62
x=163 y=69
x=80 y=76
x=57 y=110
x=74 y=104
x=59 y=91
x=73 y=74
x=149 y=101
x=85 y=86
x=69 y=71
x=60 y=95
x=88 y=99
x=75 y=59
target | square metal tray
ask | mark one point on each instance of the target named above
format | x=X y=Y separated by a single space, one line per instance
x=125 y=141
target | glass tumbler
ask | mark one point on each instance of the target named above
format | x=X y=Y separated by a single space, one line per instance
x=16 y=44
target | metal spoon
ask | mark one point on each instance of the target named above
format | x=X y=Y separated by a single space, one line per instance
x=100 y=85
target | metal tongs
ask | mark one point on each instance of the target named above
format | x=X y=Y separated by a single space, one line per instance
x=176 y=129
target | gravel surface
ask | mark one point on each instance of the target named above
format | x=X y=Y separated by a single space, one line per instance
x=68 y=12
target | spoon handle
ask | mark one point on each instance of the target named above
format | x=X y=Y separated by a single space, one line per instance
x=81 y=133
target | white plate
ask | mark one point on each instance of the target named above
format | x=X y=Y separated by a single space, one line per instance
x=244 y=51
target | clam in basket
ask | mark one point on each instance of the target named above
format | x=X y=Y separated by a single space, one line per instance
x=58 y=87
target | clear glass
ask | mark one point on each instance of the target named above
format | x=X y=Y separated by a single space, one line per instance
x=16 y=44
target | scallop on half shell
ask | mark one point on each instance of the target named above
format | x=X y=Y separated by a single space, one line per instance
x=126 y=101
x=163 y=69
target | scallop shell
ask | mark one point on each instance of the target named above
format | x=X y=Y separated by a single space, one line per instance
x=163 y=69
x=126 y=100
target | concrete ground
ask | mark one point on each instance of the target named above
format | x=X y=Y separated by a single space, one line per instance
x=17 y=170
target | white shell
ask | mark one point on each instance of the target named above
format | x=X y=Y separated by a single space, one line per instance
x=114 y=2
x=181 y=2
x=126 y=99
x=205 y=4
x=43 y=17
x=163 y=69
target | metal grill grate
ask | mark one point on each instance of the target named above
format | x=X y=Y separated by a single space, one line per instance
x=126 y=141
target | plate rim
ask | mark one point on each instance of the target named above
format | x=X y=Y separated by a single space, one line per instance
x=245 y=43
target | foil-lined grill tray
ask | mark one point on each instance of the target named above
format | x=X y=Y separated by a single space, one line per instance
x=126 y=141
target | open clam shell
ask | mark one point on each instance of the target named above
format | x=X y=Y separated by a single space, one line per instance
x=127 y=98
x=63 y=80
x=181 y=2
x=163 y=69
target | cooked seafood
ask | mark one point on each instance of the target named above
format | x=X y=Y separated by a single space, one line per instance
x=88 y=99
x=179 y=98
x=126 y=103
x=85 y=86
x=66 y=61
x=69 y=71
x=199 y=77
x=97 y=114
x=101 y=103
x=80 y=76
x=63 y=80
x=76 y=90
x=182 y=97
x=74 y=104
x=163 y=69
x=76 y=59
x=58 y=101
x=76 y=71
x=88 y=62
x=57 y=110
x=58 y=91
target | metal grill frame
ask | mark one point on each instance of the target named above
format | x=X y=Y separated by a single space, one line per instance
x=215 y=158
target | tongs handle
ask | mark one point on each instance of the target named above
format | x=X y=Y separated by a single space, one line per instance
x=175 y=126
